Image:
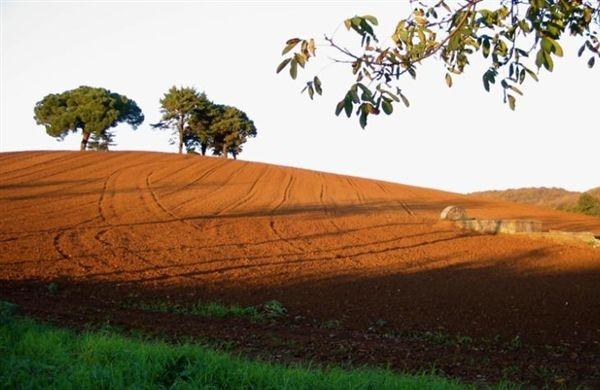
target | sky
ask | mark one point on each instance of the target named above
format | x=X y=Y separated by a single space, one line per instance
x=459 y=139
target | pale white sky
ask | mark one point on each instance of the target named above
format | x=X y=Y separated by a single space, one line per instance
x=460 y=139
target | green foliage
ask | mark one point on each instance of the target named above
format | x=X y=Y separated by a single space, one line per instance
x=274 y=309
x=198 y=132
x=91 y=110
x=230 y=129
x=7 y=311
x=203 y=309
x=514 y=37
x=199 y=123
x=177 y=107
x=587 y=204
x=101 y=142
x=52 y=288
x=39 y=356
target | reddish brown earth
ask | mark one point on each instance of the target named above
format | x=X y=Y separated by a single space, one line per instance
x=114 y=227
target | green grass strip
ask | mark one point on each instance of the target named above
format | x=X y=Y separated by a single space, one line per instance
x=34 y=355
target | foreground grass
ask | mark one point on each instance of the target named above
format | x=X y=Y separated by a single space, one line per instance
x=33 y=355
x=269 y=310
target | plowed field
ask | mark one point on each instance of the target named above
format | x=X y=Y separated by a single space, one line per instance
x=329 y=247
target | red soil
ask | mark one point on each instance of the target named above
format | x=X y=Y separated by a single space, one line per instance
x=329 y=247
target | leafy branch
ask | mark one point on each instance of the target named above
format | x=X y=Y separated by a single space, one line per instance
x=506 y=36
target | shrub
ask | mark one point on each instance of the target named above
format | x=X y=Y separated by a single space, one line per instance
x=587 y=204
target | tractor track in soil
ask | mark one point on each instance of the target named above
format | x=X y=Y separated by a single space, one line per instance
x=329 y=247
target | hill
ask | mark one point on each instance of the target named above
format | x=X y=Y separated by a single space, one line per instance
x=86 y=236
x=556 y=198
x=594 y=192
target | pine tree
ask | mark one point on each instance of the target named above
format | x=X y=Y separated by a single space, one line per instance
x=231 y=129
x=177 y=107
x=91 y=110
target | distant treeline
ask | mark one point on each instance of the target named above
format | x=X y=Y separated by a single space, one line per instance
x=197 y=123
x=587 y=202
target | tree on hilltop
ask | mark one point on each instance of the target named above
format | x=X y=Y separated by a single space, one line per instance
x=101 y=142
x=177 y=107
x=198 y=132
x=587 y=204
x=92 y=110
x=516 y=38
x=230 y=130
x=199 y=123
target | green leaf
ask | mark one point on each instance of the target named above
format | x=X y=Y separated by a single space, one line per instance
x=524 y=26
x=511 y=102
x=371 y=19
x=486 y=82
x=547 y=45
x=517 y=90
x=486 y=48
x=539 y=58
x=405 y=100
x=311 y=92
x=339 y=107
x=317 y=83
x=290 y=45
x=522 y=52
x=550 y=45
x=294 y=69
x=348 y=106
x=449 y=80
x=363 y=120
x=387 y=107
x=367 y=94
x=412 y=72
x=591 y=62
x=548 y=62
x=354 y=95
x=532 y=74
x=283 y=64
x=522 y=76
x=300 y=59
x=557 y=49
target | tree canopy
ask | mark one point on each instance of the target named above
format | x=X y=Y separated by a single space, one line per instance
x=91 y=110
x=199 y=131
x=199 y=123
x=516 y=38
x=230 y=130
x=587 y=204
x=177 y=107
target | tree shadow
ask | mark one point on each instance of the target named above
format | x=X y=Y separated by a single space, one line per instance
x=491 y=297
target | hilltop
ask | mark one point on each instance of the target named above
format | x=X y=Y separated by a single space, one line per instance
x=556 y=198
x=91 y=236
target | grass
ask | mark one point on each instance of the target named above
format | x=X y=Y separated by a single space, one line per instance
x=269 y=310
x=33 y=355
x=202 y=309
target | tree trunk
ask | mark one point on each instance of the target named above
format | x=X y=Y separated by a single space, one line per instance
x=180 y=126
x=224 y=155
x=84 y=141
x=203 y=148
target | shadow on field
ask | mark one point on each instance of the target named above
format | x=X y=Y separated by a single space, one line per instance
x=488 y=298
